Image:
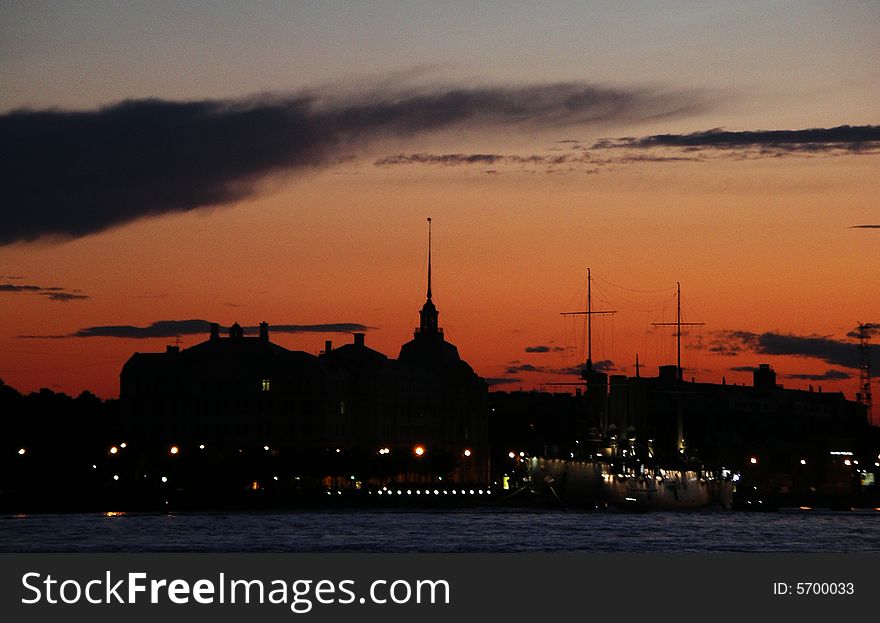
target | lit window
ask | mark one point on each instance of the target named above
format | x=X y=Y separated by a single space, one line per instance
x=266 y=385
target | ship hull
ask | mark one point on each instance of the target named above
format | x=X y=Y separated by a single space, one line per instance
x=589 y=484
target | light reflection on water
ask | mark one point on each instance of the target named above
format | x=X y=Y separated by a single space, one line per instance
x=457 y=531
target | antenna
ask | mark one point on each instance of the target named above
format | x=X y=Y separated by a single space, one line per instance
x=589 y=313
x=864 y=395
x=678 y=324
x=429 y=257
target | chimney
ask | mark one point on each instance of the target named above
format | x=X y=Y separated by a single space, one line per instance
x=264 y=331
x=358 y=339
x=215 y=331
x=328 y=346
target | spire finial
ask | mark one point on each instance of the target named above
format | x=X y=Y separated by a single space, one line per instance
x=429 y=258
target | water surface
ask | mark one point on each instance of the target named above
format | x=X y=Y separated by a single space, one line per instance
x=476 y=530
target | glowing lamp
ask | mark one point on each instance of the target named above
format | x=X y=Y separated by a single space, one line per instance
x=114 y=450
x=753 y=461
x=21 y=451
x=467 y=452
x=174 y=450
x=419 y=450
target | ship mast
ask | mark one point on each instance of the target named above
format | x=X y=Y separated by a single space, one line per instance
x=864 y=394
x=589 y=313
x=678 y=324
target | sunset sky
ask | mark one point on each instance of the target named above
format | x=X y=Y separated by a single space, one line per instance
x=277 y=161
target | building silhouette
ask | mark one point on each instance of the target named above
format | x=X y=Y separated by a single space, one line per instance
x=349 y=417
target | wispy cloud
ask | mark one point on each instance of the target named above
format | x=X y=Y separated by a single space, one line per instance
x=849 y=139
x=53 y=293
x=525 y=367
x=176 y=328
x=865 y=227
x=578 y=160
x=604 y=365
x=515 y=367
x=828 y=375
x=466 y=159
x=544 y=349
x=72 y=173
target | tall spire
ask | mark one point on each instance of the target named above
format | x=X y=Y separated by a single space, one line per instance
x=428 y=315
x=429 y=258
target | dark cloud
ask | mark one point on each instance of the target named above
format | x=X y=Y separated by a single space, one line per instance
x=464 y=159
x=742 y=369
x=176 y=328
x=53 y=293
x=832 y=351
x=605 y=365
x=845 y=138
x=865 y=227
x=444 y=159
x=871 y=329
x=73 y=173
x=828 y=375
x=571 y=161
x=64 y=296
x=505 y=380
x=525 y=367
x=544 y=349
x=337 y=327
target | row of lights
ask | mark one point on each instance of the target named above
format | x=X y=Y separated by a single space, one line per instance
x=387 y=491
x=754 y=460
x=420 y=451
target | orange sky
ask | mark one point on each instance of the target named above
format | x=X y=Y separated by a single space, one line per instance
x=759 y=244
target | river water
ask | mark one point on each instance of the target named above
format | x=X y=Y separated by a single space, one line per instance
x=475 y=530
